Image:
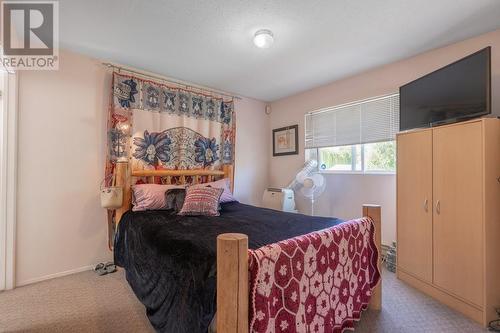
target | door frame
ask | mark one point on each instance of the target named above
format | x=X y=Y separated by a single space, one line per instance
x=8 y=179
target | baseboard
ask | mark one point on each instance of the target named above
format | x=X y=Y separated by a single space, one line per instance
x=88 y=268
x=55 y=275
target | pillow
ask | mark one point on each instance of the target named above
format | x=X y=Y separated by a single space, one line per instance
x=201 y=201
x=226 y=196
x=174 y=199
x=150 y=196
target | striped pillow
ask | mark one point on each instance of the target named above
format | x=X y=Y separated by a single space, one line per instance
x=226 y=196
x=201 y=201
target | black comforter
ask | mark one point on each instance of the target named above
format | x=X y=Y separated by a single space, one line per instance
x=170 y=260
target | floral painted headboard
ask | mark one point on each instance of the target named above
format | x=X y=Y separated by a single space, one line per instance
x=158 y=127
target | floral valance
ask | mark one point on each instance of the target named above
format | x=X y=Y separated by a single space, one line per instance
x=134 y=93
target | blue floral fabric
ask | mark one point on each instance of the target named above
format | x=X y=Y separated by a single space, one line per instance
x=153 y=147
x=173 y=148
x=206 y=151
x=125 y=92
x=132 y=93
x=201 y=146
x=117 y=143
x=226 y=112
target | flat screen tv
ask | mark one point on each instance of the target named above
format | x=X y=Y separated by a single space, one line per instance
x=459 y=91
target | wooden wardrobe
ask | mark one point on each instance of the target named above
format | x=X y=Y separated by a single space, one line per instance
x=448 y=214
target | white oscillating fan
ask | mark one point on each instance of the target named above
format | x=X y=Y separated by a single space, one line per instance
x=309 y=183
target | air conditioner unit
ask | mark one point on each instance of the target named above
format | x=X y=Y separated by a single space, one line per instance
x=279 y=199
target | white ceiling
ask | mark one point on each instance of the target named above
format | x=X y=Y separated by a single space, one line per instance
x=316 y=42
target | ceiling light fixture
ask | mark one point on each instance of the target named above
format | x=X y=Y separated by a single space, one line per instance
x=263 y=38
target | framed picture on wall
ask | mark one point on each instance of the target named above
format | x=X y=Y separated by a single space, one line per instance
x=286 y=141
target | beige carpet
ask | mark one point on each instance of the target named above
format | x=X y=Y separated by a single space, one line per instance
x=86 y=302
x=406 y=310
x=83 y=302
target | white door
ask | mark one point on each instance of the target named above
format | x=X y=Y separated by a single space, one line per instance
x=8 y=176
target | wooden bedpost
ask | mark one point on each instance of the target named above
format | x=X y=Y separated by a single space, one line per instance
x=232 y=283
x=229 y=173
x=123 y=180
x=374 y=211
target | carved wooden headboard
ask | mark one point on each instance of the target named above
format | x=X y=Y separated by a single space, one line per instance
x=124 y=178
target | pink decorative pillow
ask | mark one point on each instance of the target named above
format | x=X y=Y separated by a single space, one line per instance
x=226 y=196
x=150 y=196
x=201 y=201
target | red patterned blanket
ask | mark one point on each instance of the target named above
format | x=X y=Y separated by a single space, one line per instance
x=319 y=282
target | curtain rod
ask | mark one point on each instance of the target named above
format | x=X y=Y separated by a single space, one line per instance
x=164 y=79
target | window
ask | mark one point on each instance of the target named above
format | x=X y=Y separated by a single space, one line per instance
x=341 y=158
x=355 y=137
x=378 y=157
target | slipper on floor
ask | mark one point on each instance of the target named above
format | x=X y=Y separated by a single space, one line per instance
x=110 y=267
x=100 y=269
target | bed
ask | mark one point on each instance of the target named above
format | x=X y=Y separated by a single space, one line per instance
x=186 y=269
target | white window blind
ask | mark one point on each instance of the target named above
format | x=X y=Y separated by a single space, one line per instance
x=371 y=120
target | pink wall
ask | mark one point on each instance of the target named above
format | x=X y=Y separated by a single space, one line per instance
x=380 y=81
x=60 y=225
x=251 y=167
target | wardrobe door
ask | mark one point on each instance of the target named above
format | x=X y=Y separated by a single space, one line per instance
x=414 y=203
x=458 y=220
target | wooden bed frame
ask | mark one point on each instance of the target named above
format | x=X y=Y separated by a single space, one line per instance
x=124 y=179
x=232 y=248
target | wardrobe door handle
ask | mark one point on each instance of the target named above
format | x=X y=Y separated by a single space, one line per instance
x=438 y=207
x=426 y=205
